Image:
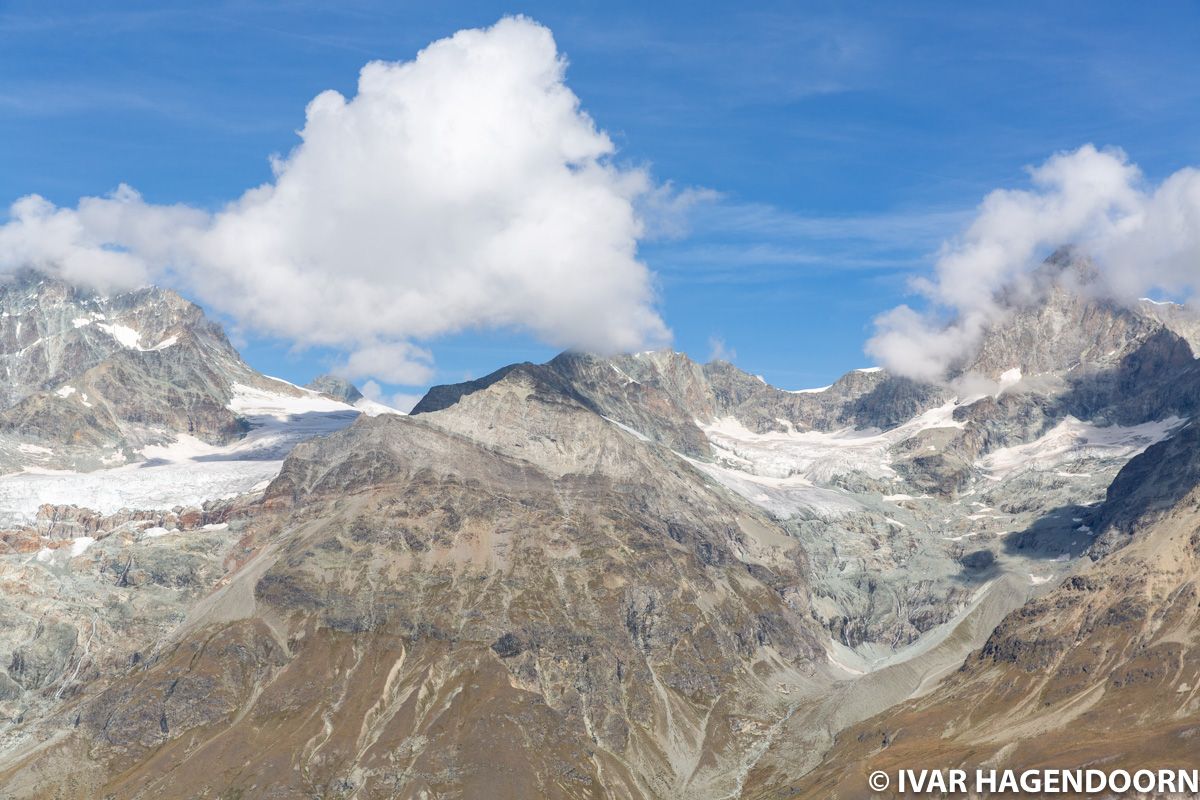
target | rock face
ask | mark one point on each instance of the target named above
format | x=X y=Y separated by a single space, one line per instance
x=1055 y=323
x=84 y=596
x=336 y=388
x=626 y=577
x=532 y=604
x=1184 y=321
x=1103 y=669
x=91 y=377
x=890 y=483
x=666 y=396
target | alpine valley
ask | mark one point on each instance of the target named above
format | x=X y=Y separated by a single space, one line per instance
x=600 y=577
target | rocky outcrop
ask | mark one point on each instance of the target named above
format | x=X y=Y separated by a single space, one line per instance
x=634 y=576
x=336 y=388
x=510 y=591
x=91 y=377
x=1102 y=669
x=1183 y=320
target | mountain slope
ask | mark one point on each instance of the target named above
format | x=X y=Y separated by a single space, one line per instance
x=552 y=609
x=1101 y=670
x=634 y=576
x=92 y=378
x=893 y=486
x=137 y=400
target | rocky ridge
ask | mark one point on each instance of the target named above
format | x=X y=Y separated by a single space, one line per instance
x=607 y=623
x=603 y=577
x=883 y=479
x=90 y=378
x=1100 y=671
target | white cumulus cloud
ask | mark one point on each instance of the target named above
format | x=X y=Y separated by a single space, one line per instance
x=463 y=189
x=1142 y=238
x=393 y=362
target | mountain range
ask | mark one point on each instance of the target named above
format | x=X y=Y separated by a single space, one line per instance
x=633 y=576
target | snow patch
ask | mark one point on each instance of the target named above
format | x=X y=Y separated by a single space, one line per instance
x=641 y=437
x=127 y=337
x=783 y=472
x=80 y=545
x=185 y=471
x=1073 y=441
x=819 y=456
x=165 y=343
x=374 y=408
x=130 y=339
x=782 y=497
x=628 y=380
x=1009 y=378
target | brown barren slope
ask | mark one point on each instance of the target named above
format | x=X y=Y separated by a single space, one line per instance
x=425 y=615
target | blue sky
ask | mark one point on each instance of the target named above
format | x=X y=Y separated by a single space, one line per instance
x=846 y=140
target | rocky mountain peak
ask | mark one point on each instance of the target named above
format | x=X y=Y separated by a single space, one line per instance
x=1182 y=320
x=91 y=377
x=1058 y=319
x=636 y=566
x=335 y=387
x=51 y=331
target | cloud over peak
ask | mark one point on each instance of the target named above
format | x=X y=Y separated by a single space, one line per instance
x=463 y=189
x=1141 y=237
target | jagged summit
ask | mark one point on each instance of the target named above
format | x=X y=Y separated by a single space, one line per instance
x=87 y=372
x=104 y=382
x=51 y=331
x=335 y=387
x=630 y=576
x=1059 y=319
x=667 y=396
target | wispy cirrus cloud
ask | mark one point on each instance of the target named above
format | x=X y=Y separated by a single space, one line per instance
x=730 y=241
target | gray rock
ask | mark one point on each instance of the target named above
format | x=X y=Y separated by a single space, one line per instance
x=37 y=663
x=90 y=374
x=336 y=388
